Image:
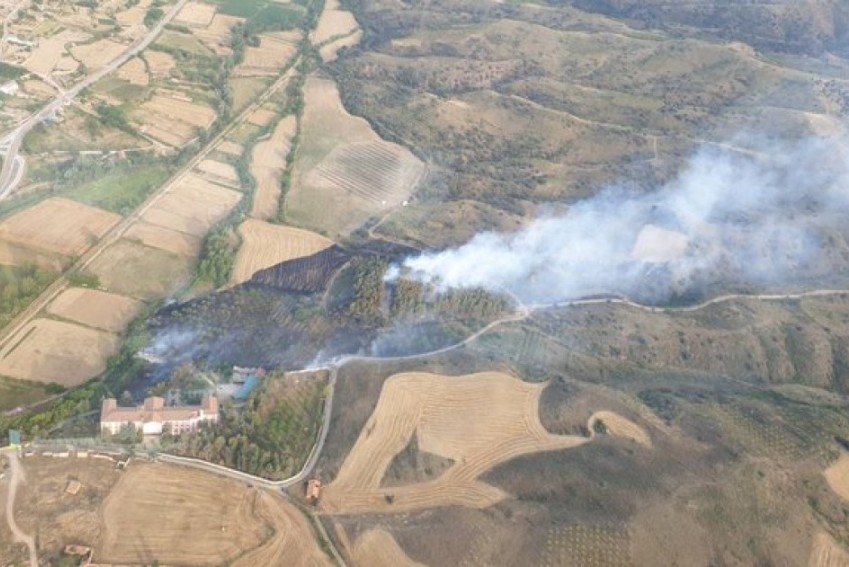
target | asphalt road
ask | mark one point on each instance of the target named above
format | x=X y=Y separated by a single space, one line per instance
x=13 y=164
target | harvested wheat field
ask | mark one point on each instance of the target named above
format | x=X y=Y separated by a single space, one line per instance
x=14 y=254
x=334 y=22
x=98 y=54
x=164 y=239
x=133 y=16
x=133 y=269
x=265 y=245
x=58 y=226
x=134 y=71
x=219 y=171
x=54 y=351
x=377 y=548
x=49 y=51
x=172 y=120
x=159 y=63
x=268 y=161
x=178 y=516
x=217 y=34
x=344 y=172
x=837 y=476
x=618 y=426
x=478 y=421
x=825 y=552
x=193 y=206
x=330 y=51
x=262 y=117
x=293 y=543
x=230 y=148
x=196 y=14
x=272 y=54
x=94 y=308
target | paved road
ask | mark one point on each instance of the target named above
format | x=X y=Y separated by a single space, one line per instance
x=13 y=164
x=16 y=477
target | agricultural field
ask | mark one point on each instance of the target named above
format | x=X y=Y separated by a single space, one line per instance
x=475 y=421
x=265 y=245
x=172 y=118
x=46 y=350
x=135 y=270
x=268 y=162
x=219 y=172
x=344 y=173
x=337 y=28
x=837 y=476
x=55 y=228
x=94 y=308
x=275 y=50
x=377 y=547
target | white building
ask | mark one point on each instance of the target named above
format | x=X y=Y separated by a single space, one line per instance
x=152 y=416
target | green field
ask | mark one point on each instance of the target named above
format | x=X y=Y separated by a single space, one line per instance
x=14 y=393
x=121 y=190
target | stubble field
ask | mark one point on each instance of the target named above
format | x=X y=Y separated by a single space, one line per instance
x=95 y=308
x=268 y=161
x=265 y=245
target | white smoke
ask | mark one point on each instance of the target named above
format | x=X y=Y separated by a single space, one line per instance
x=731 y=218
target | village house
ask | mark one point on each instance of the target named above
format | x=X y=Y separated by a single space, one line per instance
x=153 y=416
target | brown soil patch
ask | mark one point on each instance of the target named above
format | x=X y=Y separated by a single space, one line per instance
x=95 y=308
x=196 y=14
x=160 y=63
x=98 y=54
x=219 y=171
x=54 y=351
x=164 y=239
x=58 y=226
x=130 y=268
x=193 y=206
x=134 y=71
x=178 y=516
x=378 y=548
x=837 y=476
x=293 y=542
x=268 y=161
x=262 y=117
x=618 y=426
x=345 y=173
x=265 y=245
x=478 y=421
x=826 y=552
x=333 y=22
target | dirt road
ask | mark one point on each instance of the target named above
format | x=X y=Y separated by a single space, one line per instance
x=17 y=476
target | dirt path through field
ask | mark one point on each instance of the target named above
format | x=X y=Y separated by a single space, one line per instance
x=17 y=476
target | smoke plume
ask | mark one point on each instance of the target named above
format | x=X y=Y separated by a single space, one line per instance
x=772 y=214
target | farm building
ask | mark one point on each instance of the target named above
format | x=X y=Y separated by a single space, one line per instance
x=153 y=416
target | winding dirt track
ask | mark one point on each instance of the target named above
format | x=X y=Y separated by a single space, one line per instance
x=17 y=475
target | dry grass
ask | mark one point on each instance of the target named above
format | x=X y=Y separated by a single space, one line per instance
x=837 y=476
x=293 y=543
x=273 y=53
x=130 y=268
x=478 y=421
x=193 y=206
x=134 y=71
x=217 y=34
x=345 y=173
x=618 y=426
x=196 y=14
x=265 y=245
x=262 y=117
x=133 y=16
x=46 y=56
x=333 y=22
x=178 y=516
x=98 y=54
x=230 y=148
x=93 y=308
x=58 y=226
x=164 y=239
x=54 y=351
x=825 y=552
x=172 y=120
x=377 y=548
x=268 y=161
